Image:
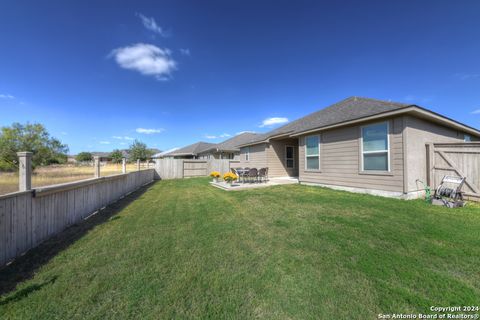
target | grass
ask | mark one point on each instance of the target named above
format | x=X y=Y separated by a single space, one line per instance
x=44 y=176
x=184 y=249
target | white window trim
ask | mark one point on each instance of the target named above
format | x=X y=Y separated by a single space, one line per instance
x=467 y=138
x=293 y=157
x=376 y=151
x=319 y=152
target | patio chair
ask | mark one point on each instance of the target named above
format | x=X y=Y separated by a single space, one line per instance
x=235 y=172
x=253 y=174
x=262 y=175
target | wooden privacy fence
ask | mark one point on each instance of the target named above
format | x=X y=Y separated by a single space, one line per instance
x=29 y=217
x=169 y=168
x=458 y=159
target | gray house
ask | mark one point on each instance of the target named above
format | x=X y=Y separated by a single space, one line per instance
x=189 y=152
x=358 y=144
x=228 y=149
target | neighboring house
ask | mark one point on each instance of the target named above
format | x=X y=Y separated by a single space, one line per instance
x=228 y=149
x=104 y=156
x=358 y=144
x=162 y=154
x=190 y=151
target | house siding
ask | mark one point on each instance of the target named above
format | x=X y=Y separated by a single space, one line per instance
x=420 y=132
x=257 y=159
x=340 y=159
x=276 y=161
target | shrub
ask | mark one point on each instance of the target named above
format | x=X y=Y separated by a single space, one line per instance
x=84 y=157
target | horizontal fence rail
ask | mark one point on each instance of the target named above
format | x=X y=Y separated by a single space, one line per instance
x=170 y=168
x=29 y=217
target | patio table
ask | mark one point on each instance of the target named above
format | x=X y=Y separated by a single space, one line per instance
x=242 y=173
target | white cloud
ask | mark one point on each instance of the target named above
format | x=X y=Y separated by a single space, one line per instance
x=149 y=131
x=185 y=52
x=104 y=142
x=6 y=96
x=151 y=24
x=147 y=59
x=223 y=135
x=273 y=121
x=466 y=76
x=63 y=133
x=123 y=138
x=475 y=111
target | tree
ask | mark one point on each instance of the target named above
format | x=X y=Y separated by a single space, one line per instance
x=139 y=150
x=31 y=137
x=84 y=157
x=116 y=156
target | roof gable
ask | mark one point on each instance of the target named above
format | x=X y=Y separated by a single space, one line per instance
x=348 y=109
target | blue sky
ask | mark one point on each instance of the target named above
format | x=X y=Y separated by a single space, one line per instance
x=170 y=73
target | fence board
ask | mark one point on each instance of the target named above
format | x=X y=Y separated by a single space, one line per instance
x=459 y=159
x=28 y=218
x=169 y=168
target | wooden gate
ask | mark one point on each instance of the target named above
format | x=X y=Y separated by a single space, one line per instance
x=459 y=159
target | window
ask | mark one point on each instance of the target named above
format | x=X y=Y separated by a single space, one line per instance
x=312 y=153
x=246 y=152
x=289 y=156
x=227 y=156
x=375 y=147
x=467 y=138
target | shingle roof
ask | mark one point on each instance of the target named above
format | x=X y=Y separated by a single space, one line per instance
x=233 y=143
x=192 y=149
x=346 y=110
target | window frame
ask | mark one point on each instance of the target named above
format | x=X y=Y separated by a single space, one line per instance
x=247 y=153
x=467 y=137
x=292 y=158
x=387 y=151
x=318 y=155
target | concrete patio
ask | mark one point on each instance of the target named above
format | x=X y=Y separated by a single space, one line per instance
x=237 y=186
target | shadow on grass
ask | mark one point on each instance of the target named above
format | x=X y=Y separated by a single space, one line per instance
x=24 y=267
x=26 y=291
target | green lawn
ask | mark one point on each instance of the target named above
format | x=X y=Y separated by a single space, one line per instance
x=184 y=249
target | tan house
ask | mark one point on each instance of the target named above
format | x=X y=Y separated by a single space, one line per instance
x=358 y=144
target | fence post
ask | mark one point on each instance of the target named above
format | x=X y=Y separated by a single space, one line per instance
x=124 y=165
x=430 y=164
x=24 y=171
x=138 y=164
x=148 y=164
x=96 y=165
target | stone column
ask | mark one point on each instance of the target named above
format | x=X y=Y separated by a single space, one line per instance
x=96 y=165
x=24 y=171
x=124 y=165
x=138 y=164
